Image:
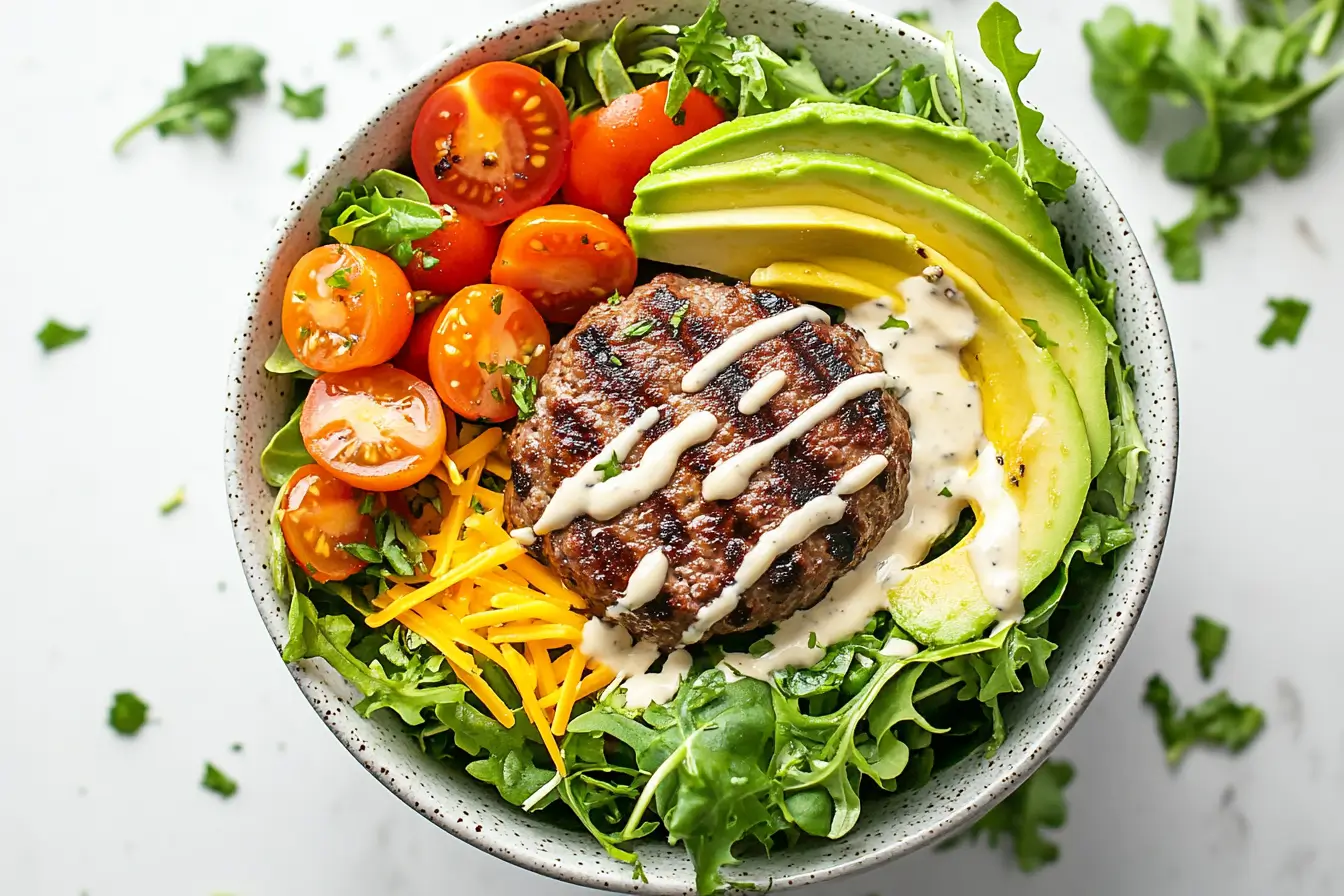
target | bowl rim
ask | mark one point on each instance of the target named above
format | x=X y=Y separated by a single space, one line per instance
x=1064 y=713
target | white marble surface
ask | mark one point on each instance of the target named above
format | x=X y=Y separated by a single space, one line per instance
x=155 y=249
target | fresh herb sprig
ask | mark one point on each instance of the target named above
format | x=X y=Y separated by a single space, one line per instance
x=205 y=100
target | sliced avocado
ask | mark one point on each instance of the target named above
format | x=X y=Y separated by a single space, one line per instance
x=1010 y=270
x=1030 y=412
x=949 y=158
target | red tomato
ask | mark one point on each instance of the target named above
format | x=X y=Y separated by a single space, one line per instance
x=318 y=513
x=458 y=254
x=614 y=146
x=346 y=307
x=378 y=428
x=492 y=142
x=414 y=355
x=564 y=259
x=481 y=330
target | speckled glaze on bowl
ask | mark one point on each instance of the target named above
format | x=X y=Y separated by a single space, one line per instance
x=848 y=42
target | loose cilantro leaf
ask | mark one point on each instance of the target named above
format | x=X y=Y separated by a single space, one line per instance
x=300 y=167
x=1021 y=819
x=1210 y=640
x=610 y=468
x=55 y=334
x=128 y=713
x=1180 y=242
x=205 y=101
x=1038 y=334
x=1286 y=324
x=299 y=104
x=385 y=212
x=523 y=388
x=174 y=502
x=1036 y=163
x=1218 y=721
x=285 y=452
x=216 y=780
x=638 y=330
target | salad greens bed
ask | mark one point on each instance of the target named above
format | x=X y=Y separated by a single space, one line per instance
x=729 y=765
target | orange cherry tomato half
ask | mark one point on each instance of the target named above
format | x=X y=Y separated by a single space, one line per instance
x=378 y=428
x=564 y=259
x=318 y=513
x=458 y=254
x=492 y=142
x=480 y=331
x=414 y=355
x=615 y=145
x=346 y=307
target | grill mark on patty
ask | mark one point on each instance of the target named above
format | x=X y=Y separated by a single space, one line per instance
x=620 y=379
x=586 y=537
x=576 y=440
x=770 y=302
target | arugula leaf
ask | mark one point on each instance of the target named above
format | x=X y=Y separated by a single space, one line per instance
x=285 y=452
x=55 y=334
x=226 y=73
x=1180 y=242
x=1037 y=164
x=1218 y=721
x=300 y=167
x=174 y=502
x=299 y=104
x=127 y=714
x=1124 y=55
x=1286 y=324
x=1210 y=640
x=216 y=780
x=1021 y=819
x=385 y=212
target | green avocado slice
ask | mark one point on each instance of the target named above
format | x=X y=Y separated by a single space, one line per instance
x=949 y=158
x=1011 y=271
x=1030 y=412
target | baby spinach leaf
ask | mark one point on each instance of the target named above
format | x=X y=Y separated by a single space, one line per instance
x=385 y=212
x=285 y=452
x=205 y=101
x=1036 y=163
x=282 y=361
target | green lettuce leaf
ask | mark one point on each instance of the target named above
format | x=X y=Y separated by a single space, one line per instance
x=285 y=452
x=384 y=212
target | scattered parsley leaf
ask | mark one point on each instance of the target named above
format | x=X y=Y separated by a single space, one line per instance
x=300 y=168
x=800 y=29
x=674 y=322
x=205 y=100
x=1286 y=324
x=894 y=323
x=1210 y=640
x=216 y=780
x=476 y=505
x=1180 y=242
x=615 y=360
x=496 y=394
x=614 y=299
x=128 y=713
x=523 y=388
x=1218 y=721
x=174 y=502
x=945 y=493
x=497 y=302
x=345 y=50
x=1036 y=163
x=638 y=330
x=1021 y=819
x=55 y=334
x=387 y=31
x=304 y=105
x=361 y=551
x=609 y=468
x=1038 y=334
x=236 y=747
x=429 y=262
x=339 y=279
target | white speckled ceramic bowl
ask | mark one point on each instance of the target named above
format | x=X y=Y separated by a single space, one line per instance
x=846 y=42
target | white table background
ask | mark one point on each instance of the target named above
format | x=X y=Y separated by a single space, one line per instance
x=155 y=250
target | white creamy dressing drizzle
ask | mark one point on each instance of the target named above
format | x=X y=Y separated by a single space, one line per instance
x=823 y=510
x=612 y=646
x=645 y=583
x=730 y=476
x=704 y=371
x=660 y=686
x=761 y=391
x=947 y=436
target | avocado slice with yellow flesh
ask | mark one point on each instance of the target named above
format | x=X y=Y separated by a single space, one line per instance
x=948 y=158
x=1026 y=283
x=1030 y=413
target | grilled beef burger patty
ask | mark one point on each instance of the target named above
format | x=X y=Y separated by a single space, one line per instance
x=619 y=361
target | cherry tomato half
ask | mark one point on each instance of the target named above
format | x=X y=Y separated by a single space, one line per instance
x=378 y=428
x=615 y=145
x=318 y=513
x=414 y=355
x=346 y=307
x=492 y=142
x=564 y=259
x=480 y=331
x=458 y=254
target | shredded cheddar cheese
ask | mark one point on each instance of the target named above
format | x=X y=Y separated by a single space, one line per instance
x=485 y=600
